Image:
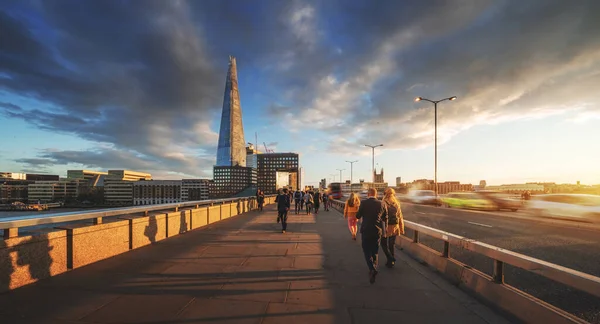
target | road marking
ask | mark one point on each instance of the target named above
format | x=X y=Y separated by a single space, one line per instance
x=420 y=213
x=478 y=224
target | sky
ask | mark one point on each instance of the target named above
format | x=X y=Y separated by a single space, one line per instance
x=139 y=85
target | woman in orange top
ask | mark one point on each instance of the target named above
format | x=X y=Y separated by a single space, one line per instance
x=350 y=210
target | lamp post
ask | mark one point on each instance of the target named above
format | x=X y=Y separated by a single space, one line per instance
x=340 y=174
x=373 y=158
x=351 y=171
x=435 y=102
x=333 y=175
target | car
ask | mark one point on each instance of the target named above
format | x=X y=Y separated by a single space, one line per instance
x=574 y=206
x=502 y=200
x=424 y=197
x=468 y=200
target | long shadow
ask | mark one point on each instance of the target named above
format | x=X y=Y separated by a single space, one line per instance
x=6 y=267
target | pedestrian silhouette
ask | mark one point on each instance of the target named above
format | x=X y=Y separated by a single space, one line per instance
x=39 y=263
x=6 y=267
x=152 y=229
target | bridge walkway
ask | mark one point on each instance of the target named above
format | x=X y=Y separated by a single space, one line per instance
x=244 y=270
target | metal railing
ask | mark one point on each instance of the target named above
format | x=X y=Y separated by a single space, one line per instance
x=569 y=277
x=11 y=225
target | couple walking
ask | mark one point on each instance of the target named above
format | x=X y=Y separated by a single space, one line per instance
x=382 y=222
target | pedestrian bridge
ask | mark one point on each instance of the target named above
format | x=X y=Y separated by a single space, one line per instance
x=222 y=262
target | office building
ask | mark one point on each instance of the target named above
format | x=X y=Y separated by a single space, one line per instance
x=231 y=175
x=323 y=184
x=41 y=177
x=12 y=176
x=153 y=192
x=230 y=181
x=13 y=190
x=398 y=181
x=94 y=178
x=195 y=189
x=443 y=187
x=118 y=186
x=276 y=171
x=56 y=191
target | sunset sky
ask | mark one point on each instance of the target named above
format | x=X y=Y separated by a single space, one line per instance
x=139 y=85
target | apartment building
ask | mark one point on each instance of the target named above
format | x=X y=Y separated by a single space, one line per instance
x=195 y=189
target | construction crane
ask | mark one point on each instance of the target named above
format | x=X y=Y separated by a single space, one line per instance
x=267 y=149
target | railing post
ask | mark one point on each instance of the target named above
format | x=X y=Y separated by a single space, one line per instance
x=97 y=220
x=176 y=209
x=446 y=253
x=415 y=236
x=498 y=276
x=11 y=232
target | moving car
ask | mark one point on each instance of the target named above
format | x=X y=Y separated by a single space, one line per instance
x=468 y=200
x=576 y=206
x=502 y=200
x=424 y=197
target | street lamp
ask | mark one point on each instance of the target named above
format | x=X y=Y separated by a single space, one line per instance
x=435 y=102
x=373 y=159
x=351 y=165
x=340 y=174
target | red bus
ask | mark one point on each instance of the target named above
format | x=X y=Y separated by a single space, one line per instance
x=335 y=190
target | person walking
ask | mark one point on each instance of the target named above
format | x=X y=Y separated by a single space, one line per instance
x=325 y=201
x=350 y=210
x=308 y=202
x=317 y=201
x=297 y=199
x=302 y=200
x=283 y=206
x=374 y=218
x=395 y=225
x=260 y=199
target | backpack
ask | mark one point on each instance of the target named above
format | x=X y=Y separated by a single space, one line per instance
x=297 y=195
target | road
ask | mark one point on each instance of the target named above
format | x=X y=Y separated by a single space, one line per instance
x=559 y=242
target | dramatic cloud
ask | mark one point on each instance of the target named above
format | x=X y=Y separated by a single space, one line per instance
x=145 y=81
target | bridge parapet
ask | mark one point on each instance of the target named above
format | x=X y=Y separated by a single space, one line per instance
x=60 y=242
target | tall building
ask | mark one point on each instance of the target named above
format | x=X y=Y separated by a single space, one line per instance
x=398 y=181
x=118 y=186
x=231 y=175
x=323 y=184
x=152 y=192
x=231 y=150
x=195 y=189
x=277 y=170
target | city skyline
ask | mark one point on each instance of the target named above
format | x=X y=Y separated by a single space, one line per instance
x=321 y=80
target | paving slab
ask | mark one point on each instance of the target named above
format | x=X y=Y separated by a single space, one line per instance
x=244 y=270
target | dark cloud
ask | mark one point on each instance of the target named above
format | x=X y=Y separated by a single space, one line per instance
x=147 y=80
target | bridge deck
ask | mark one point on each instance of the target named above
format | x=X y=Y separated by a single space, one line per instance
x=244 y=270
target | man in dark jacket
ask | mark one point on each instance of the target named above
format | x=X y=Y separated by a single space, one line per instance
x=283 y=206
x=374 y=215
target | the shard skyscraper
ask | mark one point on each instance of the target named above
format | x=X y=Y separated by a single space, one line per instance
x=231 y=175
x=232 y=146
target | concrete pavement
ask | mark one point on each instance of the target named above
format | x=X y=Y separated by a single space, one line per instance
x=244 y=270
